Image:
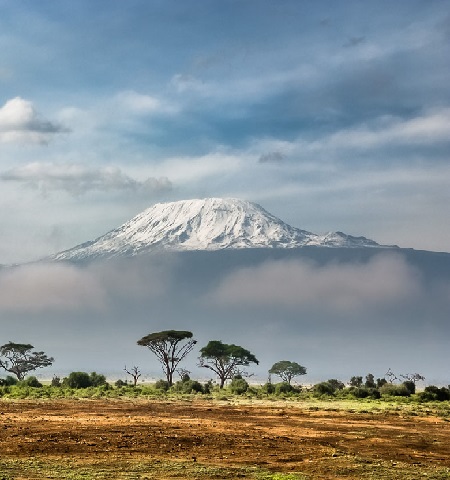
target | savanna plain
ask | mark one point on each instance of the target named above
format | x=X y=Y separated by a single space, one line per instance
x=223 y=437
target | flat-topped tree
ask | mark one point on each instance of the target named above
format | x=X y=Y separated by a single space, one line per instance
x=19 y=359
x=225 y=360
x=287 y=370
x=170 y=348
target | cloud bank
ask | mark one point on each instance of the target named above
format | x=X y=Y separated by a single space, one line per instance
x=324 y=314
x=383 y=282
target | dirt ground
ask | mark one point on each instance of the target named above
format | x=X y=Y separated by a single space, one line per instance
x=288 y=439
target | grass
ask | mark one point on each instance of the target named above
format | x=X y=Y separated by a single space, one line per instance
x=68 y=469
x=34 y=469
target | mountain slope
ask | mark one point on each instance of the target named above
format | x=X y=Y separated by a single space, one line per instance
x=207 y=224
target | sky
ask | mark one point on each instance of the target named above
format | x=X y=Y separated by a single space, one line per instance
x=331 y=115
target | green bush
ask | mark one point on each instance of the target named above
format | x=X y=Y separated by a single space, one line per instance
x=283 y=387
x=238 y=386
x=97 y=379
x=8 y=381
x=162 y=385
x=30 y=382
x=336 y=384
x=323 y=388
x=410 y=386
x=433 y=393
x=56 y=381
x=77 y=380
x=395 y=390
x=188 y=386
x=363 y=392
x=268 y=388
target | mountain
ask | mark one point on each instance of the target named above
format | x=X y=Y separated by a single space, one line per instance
x=207 y=224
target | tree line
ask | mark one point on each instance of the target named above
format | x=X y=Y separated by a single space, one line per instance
x=227 y=361
x=170 y=348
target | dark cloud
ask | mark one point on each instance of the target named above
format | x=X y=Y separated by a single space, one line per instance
x=354 y=41
x=77 y=179
x=271 y=157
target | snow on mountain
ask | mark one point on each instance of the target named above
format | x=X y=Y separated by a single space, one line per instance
x=207 y=224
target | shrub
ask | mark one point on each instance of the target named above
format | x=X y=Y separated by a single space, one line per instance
x=433 y=393
x=56 y=381
x=97 y=379
x=77 y=380
x=395 y=390
x=8 y=381
x=363 y=392
x=410 y=386
x=162 y=385
x=238 y=386
x=323 y=388
x=208 y=387
x=283 y=387
x=120 y=383
x=188 y=386
x=30 y=382
x=336 y=384
x=268 y=388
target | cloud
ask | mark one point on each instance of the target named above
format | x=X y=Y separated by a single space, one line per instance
x=62 y=287
x=34 y=288
x=385 y=280
x=354 y=41
x=271 y=157
x=20 y=123
x=141 y=104
x=78 y=179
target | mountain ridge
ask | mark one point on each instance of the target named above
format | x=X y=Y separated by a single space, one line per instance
x=205 y=224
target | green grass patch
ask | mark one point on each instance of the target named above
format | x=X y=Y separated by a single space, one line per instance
x=67 y=469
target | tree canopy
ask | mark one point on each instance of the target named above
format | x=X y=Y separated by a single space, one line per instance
x=224 y=359
x=170 y=348
x=287 y=370
x=19 y=359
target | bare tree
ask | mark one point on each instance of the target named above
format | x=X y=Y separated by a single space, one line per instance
x=413 y=377
x=134 y=372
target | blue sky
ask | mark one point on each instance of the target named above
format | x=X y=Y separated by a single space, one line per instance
x=331 y=115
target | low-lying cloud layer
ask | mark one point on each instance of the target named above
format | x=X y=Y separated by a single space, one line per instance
x=385 y=281
x=380 y=311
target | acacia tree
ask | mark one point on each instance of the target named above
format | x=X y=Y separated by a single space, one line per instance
x=287 y=370
x=19 y=359
x=170 y=348
x=224 y=359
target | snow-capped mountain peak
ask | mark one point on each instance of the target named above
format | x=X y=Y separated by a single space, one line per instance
x=206 y=224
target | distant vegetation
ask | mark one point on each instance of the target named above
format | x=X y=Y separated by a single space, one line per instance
x=227 y=361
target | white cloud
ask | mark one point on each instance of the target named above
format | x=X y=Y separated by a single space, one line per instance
x=433 y=126
x=77 y=179
x=49 y=287
x=20 y=123
x=384 y=281
x=196 y=169
x=62 y=287
x=142 y=104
